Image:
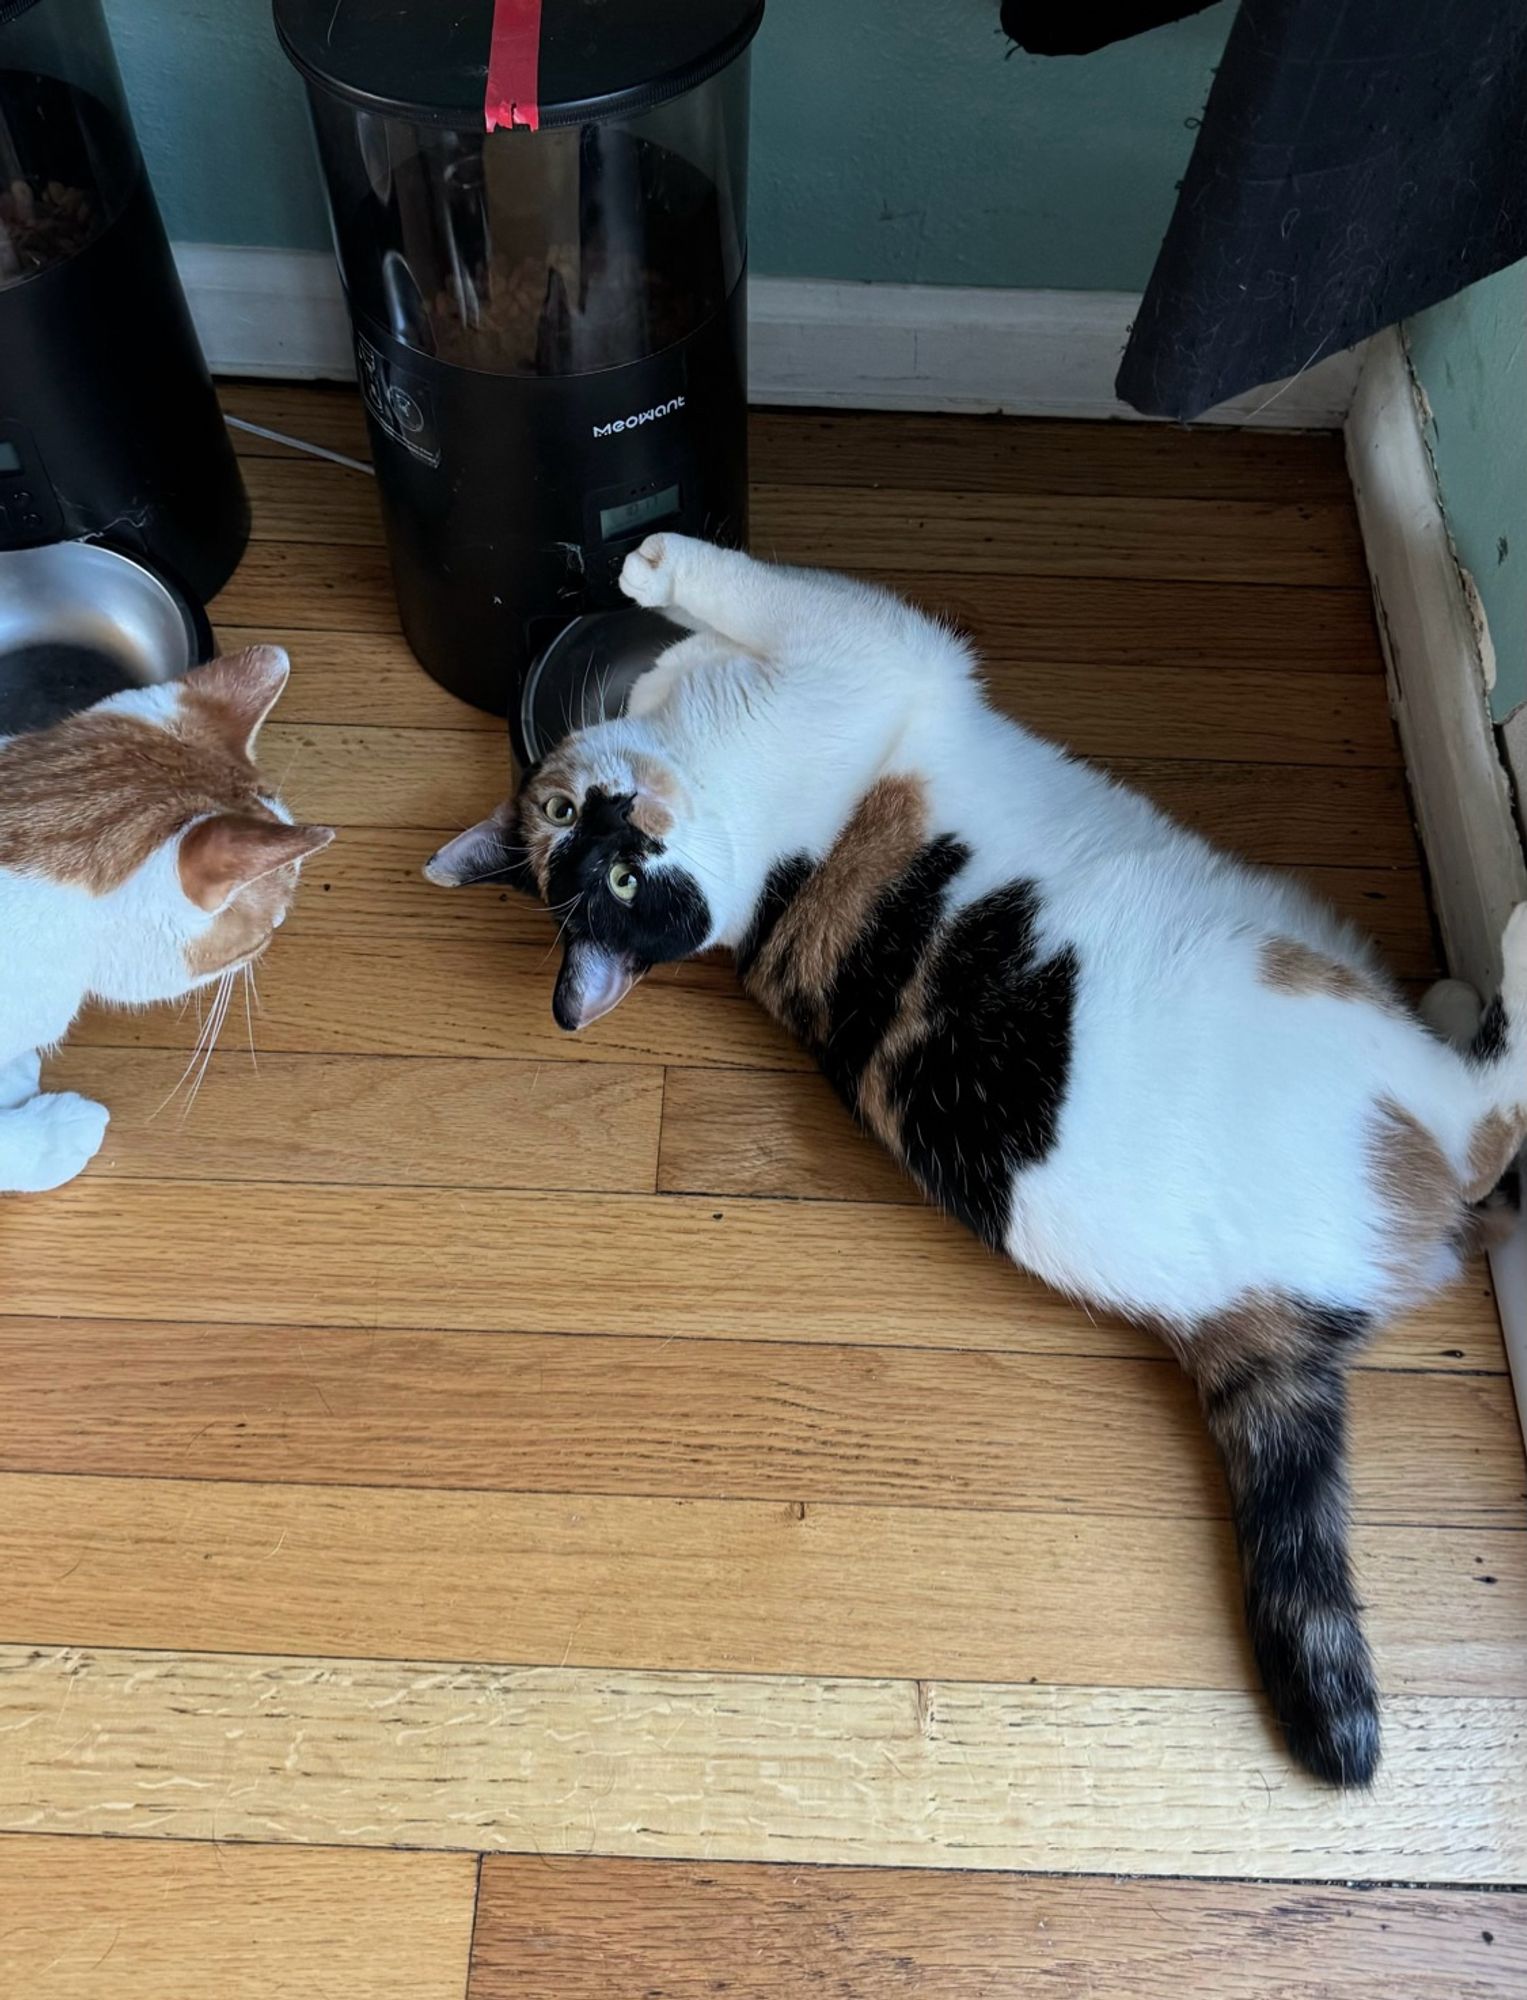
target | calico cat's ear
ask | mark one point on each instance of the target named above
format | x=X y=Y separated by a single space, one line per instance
x=233 y=695
x=223 y=854
x=487 y=852
x=593 y=981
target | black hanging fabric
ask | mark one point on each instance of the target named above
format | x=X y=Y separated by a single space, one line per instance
x=1358 y=161
x=1077 y=27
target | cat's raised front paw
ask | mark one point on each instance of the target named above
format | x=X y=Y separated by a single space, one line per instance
x=49 y=1140
x=647 y=574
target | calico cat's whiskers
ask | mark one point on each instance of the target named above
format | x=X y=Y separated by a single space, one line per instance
x=570 y=910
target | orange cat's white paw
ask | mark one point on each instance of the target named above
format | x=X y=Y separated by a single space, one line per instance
x=647 y=574
x=20 y=1079
x=50 y=1139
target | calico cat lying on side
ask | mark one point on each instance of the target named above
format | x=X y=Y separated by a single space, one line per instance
x=1173 y=1086
x=140 y=858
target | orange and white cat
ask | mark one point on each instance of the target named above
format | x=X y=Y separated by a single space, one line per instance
x=140 y=858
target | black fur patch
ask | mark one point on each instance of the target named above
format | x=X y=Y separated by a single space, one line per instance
x=669 y=918
x=1490 y=1040
x=785 y=882
x=1336 y=1325
x=979 y=1094
x=877 y=966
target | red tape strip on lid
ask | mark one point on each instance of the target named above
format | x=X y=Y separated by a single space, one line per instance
x=514 y=66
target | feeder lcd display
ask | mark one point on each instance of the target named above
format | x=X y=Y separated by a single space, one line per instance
x=10 y=459
x=637 y=513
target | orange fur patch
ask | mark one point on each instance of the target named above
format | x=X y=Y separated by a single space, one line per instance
x=908 y=1025
x=1494 y=1144
x=1294 y=967
x=536 y=830
x=657 y=797
x=1416 y=1184
x=246 y=927
x=1262 y=1329
x=802 y=958
x=87 y=802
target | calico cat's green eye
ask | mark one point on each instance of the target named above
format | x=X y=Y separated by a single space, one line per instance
x=560 y=810
x=624 y=882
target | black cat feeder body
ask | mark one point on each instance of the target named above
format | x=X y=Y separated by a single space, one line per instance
x=121 y=505
x=539 y=212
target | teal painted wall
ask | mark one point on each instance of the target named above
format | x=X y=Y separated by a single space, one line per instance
x=901 y=142
x=1470 y=356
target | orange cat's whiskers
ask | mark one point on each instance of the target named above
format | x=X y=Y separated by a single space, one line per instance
x=219 y=1014
x=247 y=981
x=201 y=1050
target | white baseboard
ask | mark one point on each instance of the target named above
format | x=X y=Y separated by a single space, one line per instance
x=1432 y=646
x=881 y=347
x=1434 y=650
x=268 y=312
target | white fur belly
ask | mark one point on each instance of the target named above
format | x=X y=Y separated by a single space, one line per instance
x=1215 y=1147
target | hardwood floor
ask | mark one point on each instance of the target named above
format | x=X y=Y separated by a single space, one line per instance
x=447 y=1441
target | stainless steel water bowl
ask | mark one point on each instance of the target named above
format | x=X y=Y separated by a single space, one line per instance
x=79 y=622
x=588 y=671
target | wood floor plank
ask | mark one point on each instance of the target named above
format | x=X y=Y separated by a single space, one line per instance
x=901 y=529
x=558 y=1928
x=734 y=1131
x=1283 y=814
x=1041 y=456
x=359 y=775
x=1225 y=714
x=1291 y=542
x=568 y=1761
x=141 y=1920
x=311 y=586
x=952 y=453
x=716 y=1586
x=323 y=413
x=661 y=1265
x=1221 y=712
x=466 y=995
x=356 y=1119
x=716 y=1420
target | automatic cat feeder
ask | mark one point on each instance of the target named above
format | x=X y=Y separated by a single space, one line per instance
x=539 y=210
x=121 y=507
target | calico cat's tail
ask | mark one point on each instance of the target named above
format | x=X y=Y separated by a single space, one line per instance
x=1273 y=1389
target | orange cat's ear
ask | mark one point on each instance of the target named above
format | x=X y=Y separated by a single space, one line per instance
x=221 y=855
x=234 y=694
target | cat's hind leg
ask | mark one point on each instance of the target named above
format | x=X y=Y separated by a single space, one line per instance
x=1497 y=1056
x=1452 y=1010
x=46 y=1138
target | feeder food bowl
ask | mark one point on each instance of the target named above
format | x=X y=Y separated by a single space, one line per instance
x=79 y=622
x=587 y=673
